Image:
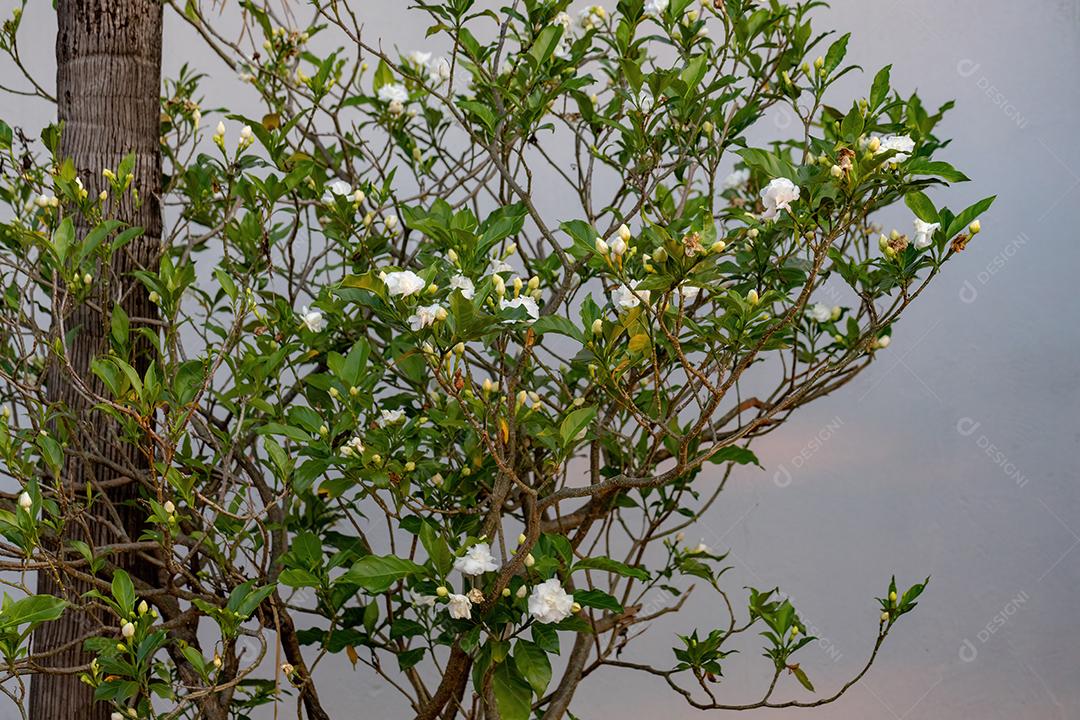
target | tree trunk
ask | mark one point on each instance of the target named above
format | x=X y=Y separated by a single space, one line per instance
x=108 y=78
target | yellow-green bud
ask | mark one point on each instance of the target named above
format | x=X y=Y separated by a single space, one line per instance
x=441 y=591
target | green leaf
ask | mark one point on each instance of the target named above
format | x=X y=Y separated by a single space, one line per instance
x=693 y=72
x=735 y=454
x=123 y=591
x=880 y=89
x=937 y=168
x=922 y=206
x=965 y=218
x=63 y=238
x=574 y=423
x=597 y=599
x=545 y=43
x=513 y=695
x=801 y=676
x=836 y=54
x=606 y=564
x=376 y=574
x=32 y=610
x=533 y=664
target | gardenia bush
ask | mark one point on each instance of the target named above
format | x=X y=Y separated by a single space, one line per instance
x=453 y=346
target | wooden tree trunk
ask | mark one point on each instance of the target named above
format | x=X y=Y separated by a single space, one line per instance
x=108 y=56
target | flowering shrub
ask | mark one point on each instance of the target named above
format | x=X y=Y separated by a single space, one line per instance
x=450 y=350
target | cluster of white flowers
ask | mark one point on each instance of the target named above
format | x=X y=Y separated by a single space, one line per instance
x=477 y=560
x=777 y=196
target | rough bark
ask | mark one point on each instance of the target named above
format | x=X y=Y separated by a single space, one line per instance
x=108 y=55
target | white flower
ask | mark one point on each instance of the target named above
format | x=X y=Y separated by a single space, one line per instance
x=312 y=319
x=393 y=93
x=565 y=20
x=645 y=101
x=656 y=8
x=439 y=70
x=425 y=316
x=777 y=196
x=476 y=561
x=128 y=630
x=592 y=17
x=821 y=313
x=389 y=417
x=464 y=284
x=25 y=501
x=416 y=57
x=902 y=144
x=549 y=603
x=627 y=298
x=924 y=233
x=340 y=187
x=354 y=447
x=701 y=549
x=499 y=266
x=737 y=179
x=531 y=308
x=404 y=283
x=460 y=607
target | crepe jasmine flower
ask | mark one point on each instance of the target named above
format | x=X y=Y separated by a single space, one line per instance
x=530 y=305
x=820 y=313
x=425 y=316
x=737 y=179
x=549 y=603
x=459 y=606
x=439 y=70
x=778 y=196
x=628 y=298
x=403 y=283
x=393 y=92
x=700 y=549
x=25 y=501
x=312 y=319
x=902 y=144
x=464 y=284
x=924 y=233
x=389 y=417
x=477 y=560
x=656 y=8
x=353 y=448
x=419 y=58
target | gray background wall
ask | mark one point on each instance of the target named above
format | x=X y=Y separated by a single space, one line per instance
x=954 y=456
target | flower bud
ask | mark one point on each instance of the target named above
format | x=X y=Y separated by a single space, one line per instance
x=506 y=592
x=143 y=607
x=522 y=592
x=25 y=501
x=707 y=127
x=836 y=171
x=128 y=631
x=597 y=326
x=618 y=248
x=885 y=617
x=819 y=62
x=576 y=608
x=975 y=227
x=169 y=507
x=874 y=145
x=719 y=246
x=834 y=314
x=522 y=539
x=752 y=297
x=892 y=596
x=459 y=349
x=753 y=233
x=601 y=246
x=530 y=560
x=624 y=233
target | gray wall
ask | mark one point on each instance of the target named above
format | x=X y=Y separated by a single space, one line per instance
x=954 y=456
